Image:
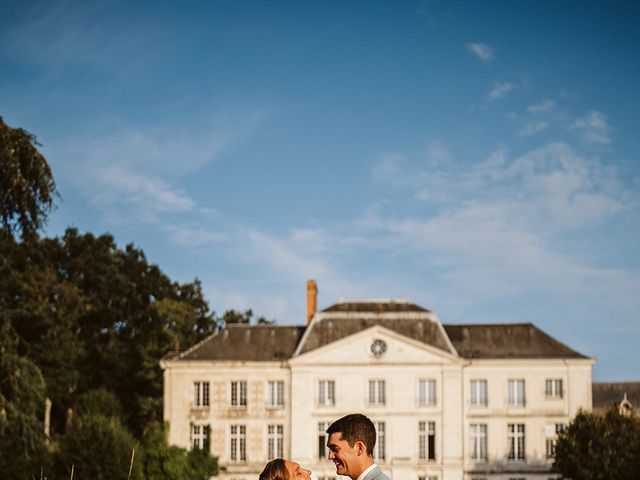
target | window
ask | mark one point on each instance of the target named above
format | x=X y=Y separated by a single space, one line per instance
x=550 y=448
x=275 y=394
x=516 y=393
x=200 y=394
x=553 y=388
x=200 y=435
x=239 y=394
x=551 y=437
x=376 y=392
x=427 y=440
x=378 y=347
x=427 y=392
x=326 y=392
x=515 y=437
x=478 y=441
x=238 y=439
x=478 y=393
x=275 y=441
x=323 y=452
x=379 y=450
x=427 y=477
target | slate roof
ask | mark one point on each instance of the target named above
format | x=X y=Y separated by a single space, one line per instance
x=247 y=343
x=347 y=318
x=516 y=340
x=381 y=306
x=472 y=341
x=606 y=393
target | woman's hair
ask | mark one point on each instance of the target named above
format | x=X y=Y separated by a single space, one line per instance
x=275 y=470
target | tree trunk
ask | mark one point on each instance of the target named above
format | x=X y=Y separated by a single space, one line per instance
x=47 y=420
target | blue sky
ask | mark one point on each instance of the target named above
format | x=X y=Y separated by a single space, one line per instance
x=478 y=158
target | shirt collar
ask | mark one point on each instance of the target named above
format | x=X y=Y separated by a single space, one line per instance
x=367 y=470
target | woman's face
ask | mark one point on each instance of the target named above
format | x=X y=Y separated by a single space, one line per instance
x=296 y=472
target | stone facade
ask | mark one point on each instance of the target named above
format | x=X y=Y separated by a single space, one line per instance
x=447 y=405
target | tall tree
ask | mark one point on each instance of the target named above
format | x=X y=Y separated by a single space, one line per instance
x=43 y=310
x=27 y=188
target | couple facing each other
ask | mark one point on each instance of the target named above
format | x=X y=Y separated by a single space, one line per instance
x=351 y=441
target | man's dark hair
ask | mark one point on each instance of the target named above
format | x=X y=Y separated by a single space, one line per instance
x=355 y=427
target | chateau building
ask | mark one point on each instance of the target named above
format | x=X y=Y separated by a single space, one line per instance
x=450 y=402
x=625 y=396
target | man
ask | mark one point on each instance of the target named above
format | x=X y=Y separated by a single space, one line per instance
x=351 y=441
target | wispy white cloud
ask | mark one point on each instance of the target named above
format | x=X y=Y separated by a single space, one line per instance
x=139 y=170
x=533 y=128
x=273 y=303
x=503 y=219
x=388 y=166
x=544 y=115
x=57 y=35
x=424 y=179
x=593 y=128
x=542 y=107
x=293 y=257
x=501 y=90
x=496 y=233
x=279 y=264
x=142 y=196
x=482 y=51
x=184 y=235
x=438 y=154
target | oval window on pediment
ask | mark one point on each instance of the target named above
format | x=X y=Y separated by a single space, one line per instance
x=378 y=347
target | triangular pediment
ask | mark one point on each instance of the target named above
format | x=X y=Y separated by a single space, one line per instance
x=376 y=345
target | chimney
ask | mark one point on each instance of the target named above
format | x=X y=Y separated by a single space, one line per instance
x=312 y=299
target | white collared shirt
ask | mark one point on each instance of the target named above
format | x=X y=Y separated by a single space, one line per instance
x=367 y=470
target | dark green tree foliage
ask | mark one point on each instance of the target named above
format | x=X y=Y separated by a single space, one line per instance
x=85 y=324
x=92 y=315
x=234 y=317
x=162 y=462
x=27 y=188
x=98 y=448
x=98 y=402
x=21 y=398
x=43 y=309
x=596 y=447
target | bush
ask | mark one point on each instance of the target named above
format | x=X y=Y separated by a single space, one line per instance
x=99 y=402
x=163 y=462
x=98 y=448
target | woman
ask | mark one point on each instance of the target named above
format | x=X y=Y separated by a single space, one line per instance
x=280 y=469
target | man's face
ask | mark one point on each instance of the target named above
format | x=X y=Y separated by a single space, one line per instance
x=296 y=472
x=348 y=460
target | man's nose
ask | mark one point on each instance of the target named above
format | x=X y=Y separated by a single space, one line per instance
x=330 y=456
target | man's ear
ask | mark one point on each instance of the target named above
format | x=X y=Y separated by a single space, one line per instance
x=361 y=448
